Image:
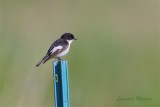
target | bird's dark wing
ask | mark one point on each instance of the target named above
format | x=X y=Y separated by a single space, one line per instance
x=58 y=42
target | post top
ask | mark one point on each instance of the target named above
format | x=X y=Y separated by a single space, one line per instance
x=59 y=62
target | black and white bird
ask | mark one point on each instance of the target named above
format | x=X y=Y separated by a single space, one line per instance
x=59 y=48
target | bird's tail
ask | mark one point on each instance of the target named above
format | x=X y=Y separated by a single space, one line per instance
x=42 y=61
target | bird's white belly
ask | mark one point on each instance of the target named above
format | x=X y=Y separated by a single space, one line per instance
x=63 y=53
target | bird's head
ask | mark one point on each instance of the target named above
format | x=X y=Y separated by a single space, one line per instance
x=68 y=36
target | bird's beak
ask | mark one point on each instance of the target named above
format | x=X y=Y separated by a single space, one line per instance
x=75 y=39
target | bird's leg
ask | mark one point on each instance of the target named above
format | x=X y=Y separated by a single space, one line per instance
x=59 y=59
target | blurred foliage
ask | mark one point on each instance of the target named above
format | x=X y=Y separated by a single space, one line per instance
x=117 y=52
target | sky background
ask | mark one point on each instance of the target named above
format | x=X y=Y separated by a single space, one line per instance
x=117 y=53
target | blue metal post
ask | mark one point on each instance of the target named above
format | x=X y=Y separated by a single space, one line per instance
x=61 y=84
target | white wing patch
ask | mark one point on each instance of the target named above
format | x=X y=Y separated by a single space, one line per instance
x=56 y=48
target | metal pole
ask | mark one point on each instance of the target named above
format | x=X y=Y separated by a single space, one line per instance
x=61 y=84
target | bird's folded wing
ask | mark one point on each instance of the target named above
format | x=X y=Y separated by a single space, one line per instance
x=56 y=51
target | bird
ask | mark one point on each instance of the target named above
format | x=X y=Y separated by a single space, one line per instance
x=59 y=48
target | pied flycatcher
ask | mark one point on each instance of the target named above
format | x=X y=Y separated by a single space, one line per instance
x=59 y=48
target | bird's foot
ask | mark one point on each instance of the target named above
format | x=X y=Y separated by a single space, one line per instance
x=59 y=59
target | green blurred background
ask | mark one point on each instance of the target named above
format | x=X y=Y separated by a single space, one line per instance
x=117 y=52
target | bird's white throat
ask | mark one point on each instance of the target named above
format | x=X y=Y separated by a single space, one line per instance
x=69 y=41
